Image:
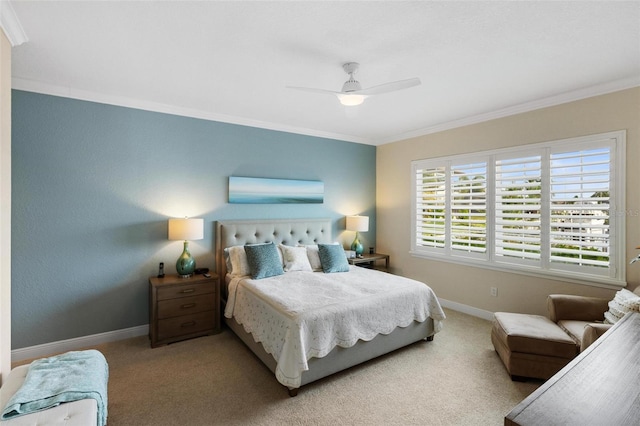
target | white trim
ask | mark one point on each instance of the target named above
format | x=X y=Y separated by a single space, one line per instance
x=69 y=92
x=103 y=98
x=615 y=275
x=11 y=25
x=575 y=95
x=5 y=207
x=466 y=309
x=77 y=343
x=555 y=275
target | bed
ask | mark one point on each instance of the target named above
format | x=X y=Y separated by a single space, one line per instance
x=284 y=337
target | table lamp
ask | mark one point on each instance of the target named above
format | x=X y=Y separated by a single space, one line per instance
x=186 y=230
x=357 y=224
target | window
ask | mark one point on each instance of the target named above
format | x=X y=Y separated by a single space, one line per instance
x=518 y=209
x=469 y=207
x=545 y=209
x=431 y=204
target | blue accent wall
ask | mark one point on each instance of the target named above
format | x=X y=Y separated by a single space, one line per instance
x=94 y=185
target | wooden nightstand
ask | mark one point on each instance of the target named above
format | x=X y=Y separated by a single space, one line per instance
x=369 y=260
x=182 y=308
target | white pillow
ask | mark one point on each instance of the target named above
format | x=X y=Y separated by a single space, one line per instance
x=237 y=266
x=314 y=257
x=623 y=302
x=295 y=258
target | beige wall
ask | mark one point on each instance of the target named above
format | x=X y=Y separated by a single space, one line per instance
x=5 y=206
x=470 y=286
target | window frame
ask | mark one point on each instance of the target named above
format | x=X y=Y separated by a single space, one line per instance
x=612 y=277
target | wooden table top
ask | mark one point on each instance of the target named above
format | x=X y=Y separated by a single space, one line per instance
x=599 y=387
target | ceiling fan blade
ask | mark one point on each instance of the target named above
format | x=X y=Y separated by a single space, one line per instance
x=345 y=98
x=312 y=90
x=390 y=87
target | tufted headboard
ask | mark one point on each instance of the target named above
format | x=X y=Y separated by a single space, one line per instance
x=289 y=232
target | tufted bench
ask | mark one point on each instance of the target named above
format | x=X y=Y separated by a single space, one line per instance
x=531 y=345
x=77 y=413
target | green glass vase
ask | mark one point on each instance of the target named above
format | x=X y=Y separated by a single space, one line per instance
x=186 y=265
x=357 y=246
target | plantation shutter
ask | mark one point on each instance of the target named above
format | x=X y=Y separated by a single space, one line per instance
x=518 y=209
x=430 y=207
x=580 y=208
x=468 y=204
x=551 y=209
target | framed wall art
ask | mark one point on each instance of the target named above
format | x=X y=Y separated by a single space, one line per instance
x=247 y=190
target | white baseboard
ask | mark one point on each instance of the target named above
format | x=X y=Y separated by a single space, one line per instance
x=466 y=309
x=77 y=343
x=61 y=346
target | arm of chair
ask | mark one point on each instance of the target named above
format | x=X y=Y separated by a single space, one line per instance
x=571 y=307
x=591 y=333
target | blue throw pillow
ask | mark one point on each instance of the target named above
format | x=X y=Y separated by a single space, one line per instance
x=332 y=258
x=263 y=260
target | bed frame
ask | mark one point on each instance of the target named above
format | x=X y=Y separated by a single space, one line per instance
x=306 y=231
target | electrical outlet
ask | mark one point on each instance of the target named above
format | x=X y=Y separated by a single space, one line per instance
x=494 y=291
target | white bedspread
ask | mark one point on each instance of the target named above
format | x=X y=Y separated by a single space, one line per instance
x=300 y=315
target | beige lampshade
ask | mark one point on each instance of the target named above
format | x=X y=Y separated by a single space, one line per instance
x=358 y=223
x=186 y=229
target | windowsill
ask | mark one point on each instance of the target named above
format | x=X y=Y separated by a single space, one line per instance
x=571 y=277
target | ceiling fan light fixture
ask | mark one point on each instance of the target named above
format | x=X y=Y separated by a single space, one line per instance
x=352 y=93
x=351 y=100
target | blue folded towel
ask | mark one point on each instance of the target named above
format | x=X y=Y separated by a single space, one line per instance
x=69 y=377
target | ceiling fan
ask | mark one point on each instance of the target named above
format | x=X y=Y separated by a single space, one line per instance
x=352 y=92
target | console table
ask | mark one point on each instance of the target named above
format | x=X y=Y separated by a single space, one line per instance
x=599 y=387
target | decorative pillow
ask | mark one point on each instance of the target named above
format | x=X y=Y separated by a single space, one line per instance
x=264 y=260
x=623 y=302
x=236 y=258
x=332 y=258
x=295 y=258
x=314 y=257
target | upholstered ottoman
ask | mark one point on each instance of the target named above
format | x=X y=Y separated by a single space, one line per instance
x=76 y=413
x=531 y=345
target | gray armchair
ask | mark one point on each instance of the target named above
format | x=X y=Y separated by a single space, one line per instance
x=581 y=317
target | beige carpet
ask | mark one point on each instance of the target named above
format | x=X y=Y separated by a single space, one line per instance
x=457 y=379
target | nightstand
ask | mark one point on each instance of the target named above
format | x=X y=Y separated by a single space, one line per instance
x=182 y=308
x=369 y=260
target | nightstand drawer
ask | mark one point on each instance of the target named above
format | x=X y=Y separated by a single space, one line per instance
x=184 y=325
x=171 y=292
x=185 y=305
x=183 y=308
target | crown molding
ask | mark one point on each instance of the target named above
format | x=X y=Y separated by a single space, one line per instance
x=563 y=98
x=83 y=95
x=68 y=92
x=11 y=25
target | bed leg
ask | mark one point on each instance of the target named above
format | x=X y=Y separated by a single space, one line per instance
x=430 y=338
x=293 y=392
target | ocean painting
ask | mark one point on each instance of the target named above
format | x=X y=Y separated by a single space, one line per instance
x=246 y=190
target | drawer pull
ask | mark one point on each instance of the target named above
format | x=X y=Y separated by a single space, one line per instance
x=187 y=305
x=188 y=324
x=188 y=290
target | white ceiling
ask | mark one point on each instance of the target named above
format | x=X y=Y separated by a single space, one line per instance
x=230 y=61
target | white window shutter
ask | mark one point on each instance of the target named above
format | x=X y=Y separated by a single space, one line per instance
x=518 y=195
x=580 y=208
x=468 y=204
x=430 y=207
